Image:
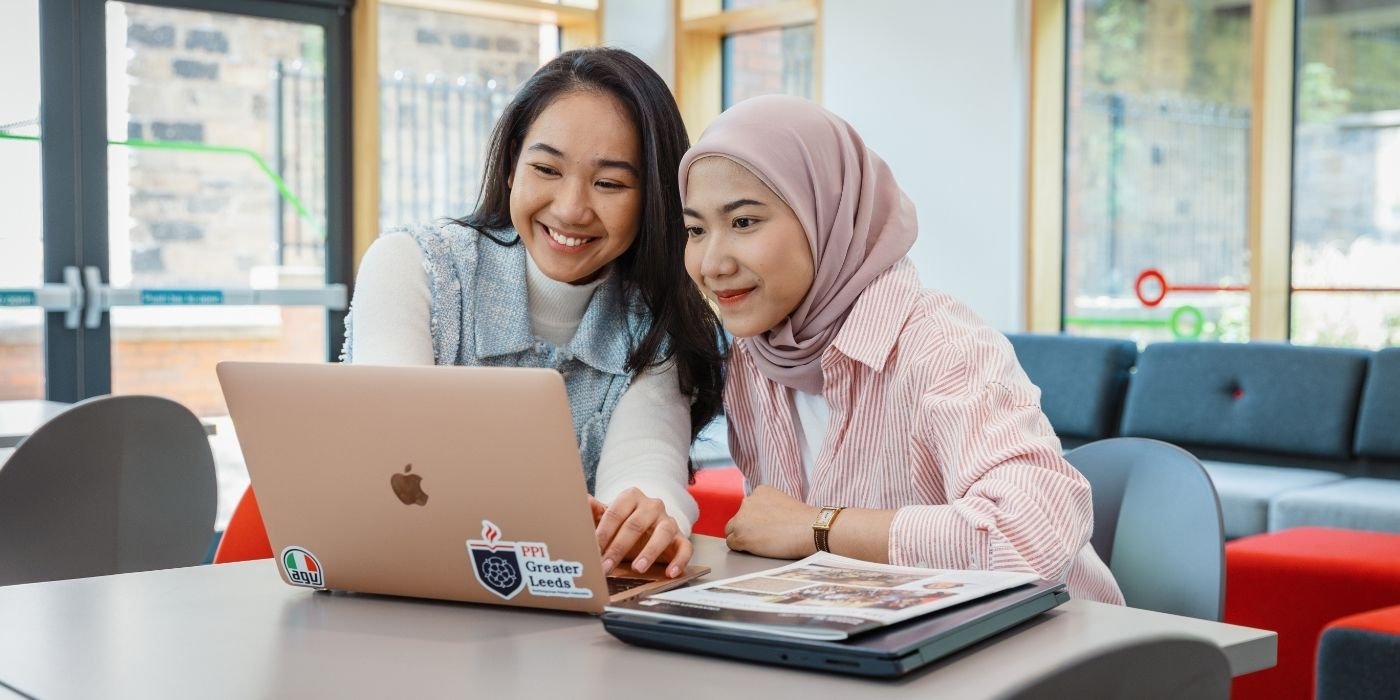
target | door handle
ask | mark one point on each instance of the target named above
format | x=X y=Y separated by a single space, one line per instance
x=72 y=279
x=96 y=301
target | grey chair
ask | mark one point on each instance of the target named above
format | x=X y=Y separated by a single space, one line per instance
x=1157 y=668
x=114 y=484
x=1157 y=524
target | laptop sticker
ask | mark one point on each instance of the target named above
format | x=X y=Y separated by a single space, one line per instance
x=302 y=568
x=505 y=568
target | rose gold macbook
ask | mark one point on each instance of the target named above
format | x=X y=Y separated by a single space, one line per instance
x=457 y=483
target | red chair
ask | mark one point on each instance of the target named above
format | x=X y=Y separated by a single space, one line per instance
x=245 y=537
x=1296 y=582
x=718 y=491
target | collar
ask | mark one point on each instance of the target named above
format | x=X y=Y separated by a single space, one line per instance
x=871 y=330
x=502 y=308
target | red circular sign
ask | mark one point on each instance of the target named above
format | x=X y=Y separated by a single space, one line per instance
x=1150 y=274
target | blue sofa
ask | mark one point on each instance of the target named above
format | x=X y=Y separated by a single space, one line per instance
x=1291 y=435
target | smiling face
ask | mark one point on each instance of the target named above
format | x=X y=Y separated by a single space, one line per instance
x=575 y=192
x=744 y=247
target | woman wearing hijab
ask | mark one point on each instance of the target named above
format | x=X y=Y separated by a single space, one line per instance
x=873 y=418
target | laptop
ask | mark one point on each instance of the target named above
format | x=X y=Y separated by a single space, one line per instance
x=452 y=483
x=886 y=652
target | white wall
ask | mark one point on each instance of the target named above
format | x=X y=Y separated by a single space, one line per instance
x=646 y=28
x=939 y=89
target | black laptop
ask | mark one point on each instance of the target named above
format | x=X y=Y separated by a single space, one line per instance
x=886 y=652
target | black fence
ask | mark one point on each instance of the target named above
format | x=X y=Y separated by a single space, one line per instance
x=1156 y=183
x=434 y=134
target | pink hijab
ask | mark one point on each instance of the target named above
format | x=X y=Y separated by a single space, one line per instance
x=857 y=220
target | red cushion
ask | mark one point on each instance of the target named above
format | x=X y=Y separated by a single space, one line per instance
x=718 y=491
x=1384 y=621
x=1297 y=581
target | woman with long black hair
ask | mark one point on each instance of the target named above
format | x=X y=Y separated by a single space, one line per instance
x=572 y=261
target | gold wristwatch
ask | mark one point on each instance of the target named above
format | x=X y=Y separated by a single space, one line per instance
x=822 y=526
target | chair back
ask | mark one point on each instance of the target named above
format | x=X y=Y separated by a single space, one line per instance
x=1157 y=524
x=113 y=484
x=1156 y=668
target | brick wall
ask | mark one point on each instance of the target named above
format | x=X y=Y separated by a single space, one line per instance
x=777 y=61
x=208 y=80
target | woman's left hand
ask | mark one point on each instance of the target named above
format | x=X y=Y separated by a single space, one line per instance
x=636 y=527
x=771 y=523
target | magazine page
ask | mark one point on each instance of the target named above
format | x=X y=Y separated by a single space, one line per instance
x=824 y=596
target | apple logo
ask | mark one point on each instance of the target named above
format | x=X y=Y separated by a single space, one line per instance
x=409 y=487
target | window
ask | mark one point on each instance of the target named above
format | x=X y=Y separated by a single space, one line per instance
x=1156 y=160
x=1346 y=162
x=769 y=61
x=1231 y=170
x=444 y=79
x=732 y=50
x=429 y=98
x=216 y=179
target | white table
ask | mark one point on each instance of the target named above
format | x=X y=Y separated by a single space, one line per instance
x=20 y=418
x=237 y=631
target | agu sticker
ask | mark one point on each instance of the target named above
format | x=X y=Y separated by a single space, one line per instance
x=505 y=568
x=302 y=568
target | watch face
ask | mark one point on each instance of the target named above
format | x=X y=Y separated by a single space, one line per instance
x=825 y=518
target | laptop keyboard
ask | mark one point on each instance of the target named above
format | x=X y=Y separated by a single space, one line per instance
x=618 y=584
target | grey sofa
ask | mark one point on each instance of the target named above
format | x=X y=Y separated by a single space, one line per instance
x=1291 y=435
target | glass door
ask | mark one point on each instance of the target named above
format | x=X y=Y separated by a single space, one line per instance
x=195 y=199
x=217 y=196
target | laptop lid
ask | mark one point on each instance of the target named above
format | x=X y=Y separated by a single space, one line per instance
x=455 y=483
x=887 y=652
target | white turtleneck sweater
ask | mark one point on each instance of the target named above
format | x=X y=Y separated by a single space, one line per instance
x=648 y=438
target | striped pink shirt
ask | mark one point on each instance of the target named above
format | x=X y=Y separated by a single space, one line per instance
x=930 y=415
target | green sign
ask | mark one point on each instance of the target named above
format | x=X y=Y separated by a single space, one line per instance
x=181 y=297
x=18 y=297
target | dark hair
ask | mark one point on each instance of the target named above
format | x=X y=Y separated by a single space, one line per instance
x=651 y=268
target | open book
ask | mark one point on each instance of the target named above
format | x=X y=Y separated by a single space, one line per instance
x=824 y=596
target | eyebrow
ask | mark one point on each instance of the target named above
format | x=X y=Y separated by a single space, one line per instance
x=736 y=204
x=600 y=162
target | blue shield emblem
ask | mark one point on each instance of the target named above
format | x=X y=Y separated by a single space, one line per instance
x=498 y=570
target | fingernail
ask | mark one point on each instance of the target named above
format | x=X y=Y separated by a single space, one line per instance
x=673 y=571
x=607 y=565
x=640 y=564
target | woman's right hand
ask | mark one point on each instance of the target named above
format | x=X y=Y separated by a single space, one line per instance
x=637 y=527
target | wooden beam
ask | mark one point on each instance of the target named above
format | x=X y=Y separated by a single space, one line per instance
x=699 y=68
x=1271 y=170
x=577 y=36
x=751 y=19
x=1045 y=169
x=527 y=11
x=364 y=109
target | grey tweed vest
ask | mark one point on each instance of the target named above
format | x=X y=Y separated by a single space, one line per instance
x=481 y=317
